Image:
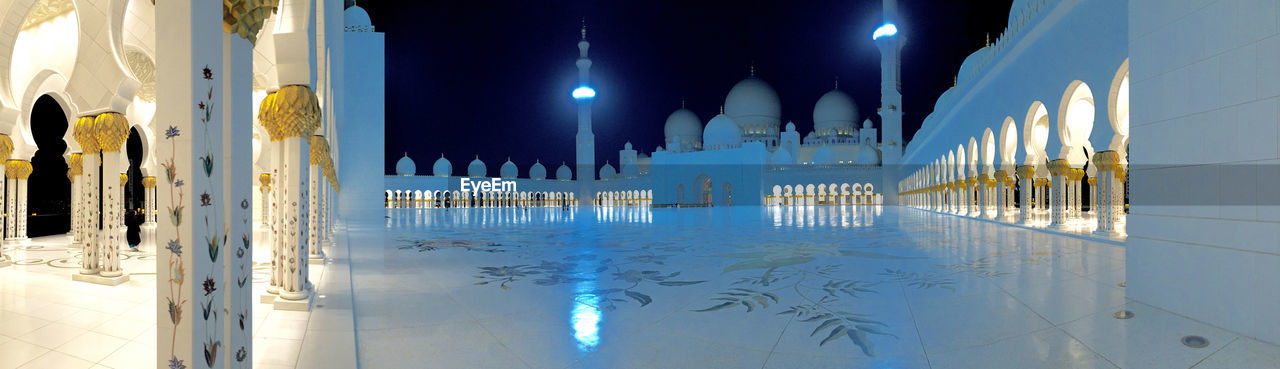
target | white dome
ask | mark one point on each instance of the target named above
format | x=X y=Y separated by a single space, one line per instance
x=509 y=170
x=357 y=20
x=537 y=171
x=683 y=123
x=627 y=146
x=442 y=167
x=563 y=173
x=406 y=167
x=753 y=102
x=607 y=172
x=721 y=133
x=791 y=126
x=477 y=168
x=781 y=157
x=835 y=109
x=823 y=156
x=868 y=154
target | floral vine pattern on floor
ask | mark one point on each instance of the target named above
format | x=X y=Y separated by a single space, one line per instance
x=820 y=281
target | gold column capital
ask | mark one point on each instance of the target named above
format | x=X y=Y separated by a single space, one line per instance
x=149 y=182
x=124 y=178
x=1026 y=171
x=246 y=17
x=75 y=164
x=85 y=133
x=293 y=111
x=1059 y=167
x=319 y=150
x=6 y=147
x=111 y=130
x=17 y=169
x=1106 y=160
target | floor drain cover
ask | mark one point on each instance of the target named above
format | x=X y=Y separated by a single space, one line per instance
x=1195 y=341
x=1123 y=314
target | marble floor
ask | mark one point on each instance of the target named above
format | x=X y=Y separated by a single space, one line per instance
x=811 y=287
x=48 y=321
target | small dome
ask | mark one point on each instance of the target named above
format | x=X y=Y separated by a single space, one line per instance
x=823 y=156
x=357 y=20
x=627 y=146
x=477 y=168
x=659 y=148
x=834 y=110
x=866 y=123
x=810 y=138
x=509 y=170
x=868 y=155
x=791 y=126
x=563 y=173
x=406 y=167
x=753 y=102
x=607 y=172
x=537 y=171
x=442 y=167
x=781 y=157
x=683 y=123
x=721 y=133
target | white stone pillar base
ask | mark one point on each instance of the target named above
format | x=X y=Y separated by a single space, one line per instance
x=102 y=279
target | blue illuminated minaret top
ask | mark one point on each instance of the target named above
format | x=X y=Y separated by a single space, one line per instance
x=584 y=94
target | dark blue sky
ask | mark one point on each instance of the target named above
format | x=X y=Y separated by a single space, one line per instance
x=492 y=78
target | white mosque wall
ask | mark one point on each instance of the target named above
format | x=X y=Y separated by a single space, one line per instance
x=1069 y=41
x=676 y=177
x=821 y=174
x=1205 y=218
x=363 y=136
x=841 y=152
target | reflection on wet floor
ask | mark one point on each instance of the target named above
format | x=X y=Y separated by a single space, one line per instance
x=839 y=286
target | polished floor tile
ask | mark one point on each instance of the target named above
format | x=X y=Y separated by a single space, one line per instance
x=845 y=287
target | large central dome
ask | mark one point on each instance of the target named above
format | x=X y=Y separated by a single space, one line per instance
x=834 y=111
x=753 y=103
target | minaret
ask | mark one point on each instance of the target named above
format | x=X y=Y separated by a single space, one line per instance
x=584 y=94
x=888 y=38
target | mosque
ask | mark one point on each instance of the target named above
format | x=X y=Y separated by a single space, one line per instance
x=247 y=138
x=741 y=156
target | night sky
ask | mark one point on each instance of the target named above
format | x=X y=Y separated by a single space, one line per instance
x=492 y=78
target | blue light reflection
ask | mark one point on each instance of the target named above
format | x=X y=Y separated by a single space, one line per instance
x=586 y=317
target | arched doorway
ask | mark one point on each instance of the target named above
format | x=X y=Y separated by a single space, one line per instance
x=703 y=184
x=48 y=188
x=728 y=194
x=133 y=191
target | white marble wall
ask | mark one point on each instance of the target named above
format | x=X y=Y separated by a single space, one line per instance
x=360 y=165
x=1205 y=219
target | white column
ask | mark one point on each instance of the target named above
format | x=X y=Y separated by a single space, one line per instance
x=17 y=172
x=147 y=230
x=1058 y=195
x=317 y=156
x=237 y=193
x=1026 y=181
x=264 y=188
x=191 y=280
x=5 y=151
x=1108 y=204
x=112 y=129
